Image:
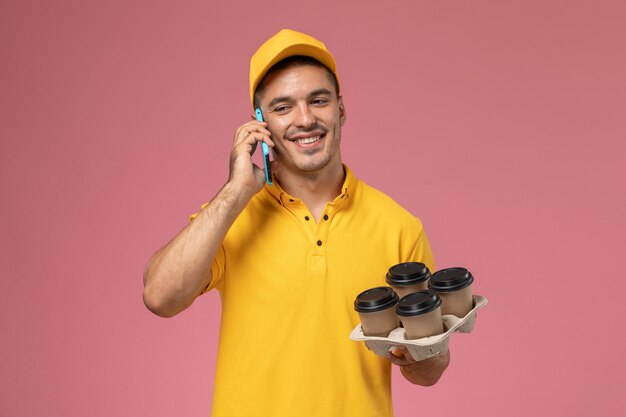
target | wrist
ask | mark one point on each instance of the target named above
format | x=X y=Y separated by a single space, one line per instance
x=235 y=196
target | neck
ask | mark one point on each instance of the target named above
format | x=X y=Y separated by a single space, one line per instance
x=315 y=189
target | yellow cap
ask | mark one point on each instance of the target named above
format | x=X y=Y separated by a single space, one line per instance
x=282 y=45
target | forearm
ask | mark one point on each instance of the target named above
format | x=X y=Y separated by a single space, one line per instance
x=179 y=271
x=428 y=371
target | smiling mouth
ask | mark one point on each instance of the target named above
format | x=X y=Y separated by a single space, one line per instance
x=306 y=141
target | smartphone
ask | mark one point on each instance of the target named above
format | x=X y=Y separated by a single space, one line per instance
x=266 y=152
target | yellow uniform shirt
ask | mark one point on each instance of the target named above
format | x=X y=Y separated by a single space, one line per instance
x=288 y=284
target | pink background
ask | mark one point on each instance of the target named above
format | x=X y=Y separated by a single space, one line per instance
x=500 y=124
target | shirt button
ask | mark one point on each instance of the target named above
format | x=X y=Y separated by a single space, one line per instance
x=306 y=218
x=319 y=243
x=325 y=216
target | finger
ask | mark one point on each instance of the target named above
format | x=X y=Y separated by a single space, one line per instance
x=253 y=122
x=254 y=136
x=400 y=355
x=245 y=148
x=252 y=126
x=403 y=351
x=250 y=141
x=396 y=360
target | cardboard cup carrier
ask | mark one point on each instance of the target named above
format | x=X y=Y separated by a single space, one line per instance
x=454 y=299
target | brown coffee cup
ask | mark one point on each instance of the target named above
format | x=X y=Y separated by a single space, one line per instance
x=453 y=285
x=376 y=308
x=420 y=313
x=408 y=277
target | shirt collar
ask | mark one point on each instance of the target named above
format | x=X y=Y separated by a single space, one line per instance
x=347 y=190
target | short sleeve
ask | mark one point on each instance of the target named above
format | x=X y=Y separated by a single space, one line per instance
x=217 y=267
x=217 y=271
x=421 y=251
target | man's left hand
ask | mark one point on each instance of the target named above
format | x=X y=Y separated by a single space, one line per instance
x=425 y=372
x=400 y=355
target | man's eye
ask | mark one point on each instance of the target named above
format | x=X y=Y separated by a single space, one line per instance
x=319 y=101
x=281 y=109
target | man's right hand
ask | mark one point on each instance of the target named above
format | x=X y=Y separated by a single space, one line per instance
x=246 y=176
x=180 y=270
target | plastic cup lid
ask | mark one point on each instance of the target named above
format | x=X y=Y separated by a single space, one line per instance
x=407 y=273
x=450 y=279
x=375 y=299
x=416 y=303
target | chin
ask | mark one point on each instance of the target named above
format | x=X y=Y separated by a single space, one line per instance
x=312 y=166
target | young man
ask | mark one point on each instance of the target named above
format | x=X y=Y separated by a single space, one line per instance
x=288 y=259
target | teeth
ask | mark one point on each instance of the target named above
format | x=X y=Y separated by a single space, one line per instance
x=308 y=140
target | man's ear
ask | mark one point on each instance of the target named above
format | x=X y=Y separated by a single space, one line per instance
x=342 y=111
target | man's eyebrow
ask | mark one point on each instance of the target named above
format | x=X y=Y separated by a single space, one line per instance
x=320 y=91
x=277 y=100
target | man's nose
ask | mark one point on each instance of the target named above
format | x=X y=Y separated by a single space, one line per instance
x=304 y=117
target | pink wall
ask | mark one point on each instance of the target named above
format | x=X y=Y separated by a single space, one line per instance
x=501 y=124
